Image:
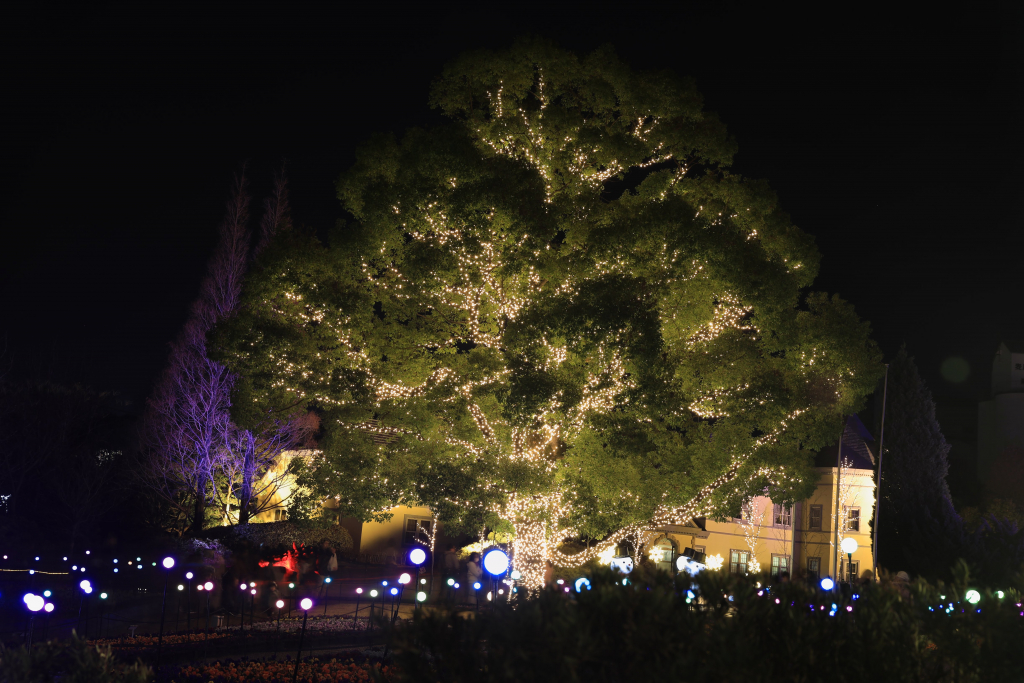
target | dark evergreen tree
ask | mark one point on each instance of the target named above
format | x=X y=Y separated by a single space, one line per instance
x=920 y=531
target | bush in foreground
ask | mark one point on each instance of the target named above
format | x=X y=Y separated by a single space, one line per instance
x=74 y=661
x=730 y=630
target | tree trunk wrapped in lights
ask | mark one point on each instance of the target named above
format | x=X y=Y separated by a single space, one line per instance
x=569 y=320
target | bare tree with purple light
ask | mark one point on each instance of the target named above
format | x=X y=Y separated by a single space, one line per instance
x=193 y=442
x=188 y=413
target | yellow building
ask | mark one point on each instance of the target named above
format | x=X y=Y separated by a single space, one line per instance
x=384 y=542
x=800 y=540
x=767 y=537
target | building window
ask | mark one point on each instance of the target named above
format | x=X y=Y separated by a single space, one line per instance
x=783 y=515
x=814 y=523
x=853 y=570
x=738 y=560
x=280 y=514
x=698 y=548
x=814 y=567
x=417 y=530
x=853 y=519
x=780 y=563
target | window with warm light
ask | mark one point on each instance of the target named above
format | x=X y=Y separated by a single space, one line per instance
x=853 y=519
x=780 y=563
x=782 y=515
x=738 y=561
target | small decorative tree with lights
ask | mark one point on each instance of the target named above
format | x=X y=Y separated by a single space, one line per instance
x=560 y=316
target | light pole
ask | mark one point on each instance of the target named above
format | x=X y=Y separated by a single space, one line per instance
x=103 y=598
x=878 y=483
x=48 y=608
x=849 y=546
x=417 y=556
x=359 y=594
x=208 y=588
x=188 y=607
x=327 y=583
x=496 y=564
x=306 y=605
x=838 y=482
x=86 y=588
x=241 y=608
x=277 y=641
x=373 y=598
x=168 y=564
x=34 y=603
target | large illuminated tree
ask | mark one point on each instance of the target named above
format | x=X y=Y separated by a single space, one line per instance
x=560 y=316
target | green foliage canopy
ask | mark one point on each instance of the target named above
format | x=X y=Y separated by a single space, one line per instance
x=560 y=309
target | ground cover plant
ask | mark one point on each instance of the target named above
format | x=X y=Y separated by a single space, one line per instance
x=725 y=628
x=73 y=661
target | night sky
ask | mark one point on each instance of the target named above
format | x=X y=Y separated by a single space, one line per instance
x=894 y=139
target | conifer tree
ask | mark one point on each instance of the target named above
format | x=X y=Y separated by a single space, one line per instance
x=920 y=530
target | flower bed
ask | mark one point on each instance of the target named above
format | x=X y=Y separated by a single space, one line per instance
x=278 y=671
x=316 y=624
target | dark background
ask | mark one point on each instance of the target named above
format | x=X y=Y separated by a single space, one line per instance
x=893 y=136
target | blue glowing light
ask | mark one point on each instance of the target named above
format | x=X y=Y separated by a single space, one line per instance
x=827 y=584
x=581 y=583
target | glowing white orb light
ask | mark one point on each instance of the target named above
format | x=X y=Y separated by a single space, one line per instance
x=496 y=562
x=827 y=584
x=973 y=597
x=622 y=564
x=208 y=585
x=279 y=604
x=404 y=579
x=34 y=602
x=373 y=593
x=421 y=596
x=168 y=562
x=85 y=584
x=417 y=556
x=48 y=607
x=188 y=575
x=394 y=591
x=849 y=545
x=306 y=604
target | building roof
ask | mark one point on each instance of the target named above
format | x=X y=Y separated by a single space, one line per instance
x=1012 y=344
x=858 y=446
